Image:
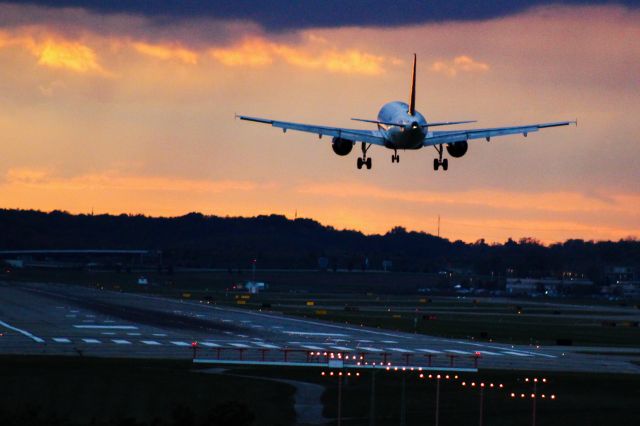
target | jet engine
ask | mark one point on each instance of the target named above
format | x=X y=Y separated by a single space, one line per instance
x=457 y=149
x=341 y=146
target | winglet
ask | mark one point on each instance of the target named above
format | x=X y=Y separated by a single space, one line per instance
x=412 y=101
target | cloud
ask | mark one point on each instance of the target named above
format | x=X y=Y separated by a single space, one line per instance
x=279 y=15
x=54 y=52
x=167 y=52
x=258 y=52
x=459 y=64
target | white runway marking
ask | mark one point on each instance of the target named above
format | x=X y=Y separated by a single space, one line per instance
x=340 y=348
x=134 y=334
x=455 y=351
x=389 y=341
x=368 y=349
x=121 y=341
x=210 y=345
x=516 y=353
x=107 y=327
x=305 y=333
x=181 y=343
x=429 y=351
x=61 y=340
x=242 y=336
x=92 y=341
x=364 y=341
x=151 y=342
x=267 y=345
x=490 y=353
x=400 y=350
x=159 y=335
x=313 y=348
x=108 y=321
x=23 y=332
x=108 y=333
x=239 y=345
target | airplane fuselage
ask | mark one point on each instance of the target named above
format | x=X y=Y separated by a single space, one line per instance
x=408 y=136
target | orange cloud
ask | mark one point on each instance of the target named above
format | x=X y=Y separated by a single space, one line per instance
x=56 y=52
x=257 y=52
x=167 y=52
x=459 y=64
x=43 y=179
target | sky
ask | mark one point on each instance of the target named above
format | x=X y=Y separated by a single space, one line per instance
x=128 y=107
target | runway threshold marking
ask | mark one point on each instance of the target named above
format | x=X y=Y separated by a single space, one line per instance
x=180 y=343
x=490 y=353
x=401 y=350
x=121 y=341
x=341 y=348
x=312 y=347
x=91 y=341
x=456 y=351
x=267 y=345
x=516 y=353
x=61 y=340
x=106 y=327
x=368 y=349
x=429 y=351
x=209 y=344
x=239 y=345
x=150 y=342
x=23 y=332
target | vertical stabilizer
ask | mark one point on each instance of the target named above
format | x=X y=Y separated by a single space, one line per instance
x=412 y=101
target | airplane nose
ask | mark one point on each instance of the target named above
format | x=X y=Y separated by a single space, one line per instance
x=414 y=125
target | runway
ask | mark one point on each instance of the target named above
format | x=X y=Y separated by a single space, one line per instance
x=59 y=319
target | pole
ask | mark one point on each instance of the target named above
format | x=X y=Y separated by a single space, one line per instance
x=481 y=405
x=339 y=398
x=372 y=405
x=403 y=404
x=438 y=401
x=535 y=395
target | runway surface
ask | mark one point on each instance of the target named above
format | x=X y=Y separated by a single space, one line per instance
x=63 y=319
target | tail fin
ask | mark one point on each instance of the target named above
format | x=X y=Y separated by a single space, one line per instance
x=412 y=101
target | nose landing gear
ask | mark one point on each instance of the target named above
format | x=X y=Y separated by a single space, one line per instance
x=437 y=162
x=395 y=158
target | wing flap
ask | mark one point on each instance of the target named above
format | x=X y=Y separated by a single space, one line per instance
x=440 y=137
x=369 y=136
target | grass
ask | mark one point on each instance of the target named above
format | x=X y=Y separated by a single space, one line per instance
x=82 y=391
x=581 y=399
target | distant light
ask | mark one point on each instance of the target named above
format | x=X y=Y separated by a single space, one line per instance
x=438 y=376
x=553 y=397
x=323 y=373
x=464 y=383
x=473 y=383
x=522 y=395
x=513 y=395
x=526 y=379
x=421 y=376
x=544 y=380
x=446 y=377
x=501 y=386
x=533 y=395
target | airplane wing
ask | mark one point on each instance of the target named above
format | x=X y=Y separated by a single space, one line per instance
x=451 y=136
x=369 y=136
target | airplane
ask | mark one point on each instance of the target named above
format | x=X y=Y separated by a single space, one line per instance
x=401 y=127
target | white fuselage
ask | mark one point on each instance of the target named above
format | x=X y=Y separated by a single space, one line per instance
x=410 y=134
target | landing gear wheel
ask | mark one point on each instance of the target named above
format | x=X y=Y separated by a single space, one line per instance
x=393 y=158
x=445 y=164
x=397 y=158
x=368 y=163
x=359 y=163
x=436 y=164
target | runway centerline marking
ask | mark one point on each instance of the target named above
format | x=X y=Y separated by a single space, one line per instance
x=368 y=349
x=429 y=351
x=239 y=345
x=209 y=344
x=177 y=343
x=151 y=342
x=404 y=351
x=313 y=348
x=121 y=341
x=309 y=333
x=23 y=332
x=456 y=351
x=61 y=340
x=267 y=345
x=91 y=341
x=341 y=348
x=106 y=327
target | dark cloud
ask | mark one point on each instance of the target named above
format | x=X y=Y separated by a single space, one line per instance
x=277 y=15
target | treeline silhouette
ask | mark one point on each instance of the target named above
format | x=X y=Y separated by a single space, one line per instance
x=196 y=240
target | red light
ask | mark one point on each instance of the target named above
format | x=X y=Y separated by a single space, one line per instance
x=194 y=344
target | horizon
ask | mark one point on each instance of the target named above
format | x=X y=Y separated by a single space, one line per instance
x=127 y=107
x=529 y=239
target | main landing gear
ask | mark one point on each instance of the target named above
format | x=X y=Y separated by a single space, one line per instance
x=395 y=158
x=364 y=161
x=437 y=162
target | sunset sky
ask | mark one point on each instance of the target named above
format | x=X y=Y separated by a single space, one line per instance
x=129 y=108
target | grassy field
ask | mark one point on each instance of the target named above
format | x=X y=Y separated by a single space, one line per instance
x=581 y=399
x=83 y=391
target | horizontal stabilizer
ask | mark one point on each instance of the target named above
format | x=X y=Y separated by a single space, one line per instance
x=450 y=123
